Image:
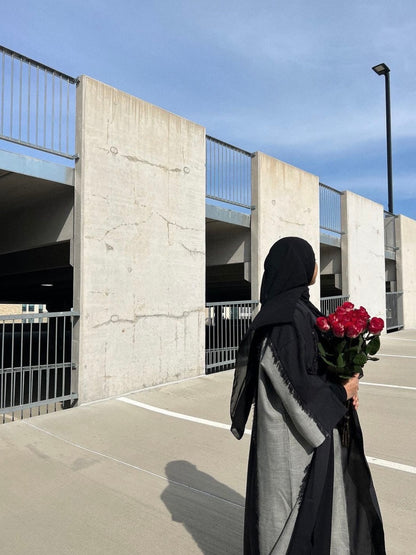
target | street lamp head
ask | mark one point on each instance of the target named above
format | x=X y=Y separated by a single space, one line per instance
x=381 y=69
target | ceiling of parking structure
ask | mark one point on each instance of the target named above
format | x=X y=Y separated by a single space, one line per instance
x=216 y=228
x=226 y=283
x=42 y=276
x=21 y=191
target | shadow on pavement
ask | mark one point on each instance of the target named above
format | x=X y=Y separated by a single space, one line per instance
x=210 y=511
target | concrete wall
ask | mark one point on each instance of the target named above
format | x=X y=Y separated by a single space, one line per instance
x=330 y=260
x=406 y=267
x=40 y=223
x=139 y=243
x=362 y=247
x=10 y=309
x=227 y=244
x=286 y=201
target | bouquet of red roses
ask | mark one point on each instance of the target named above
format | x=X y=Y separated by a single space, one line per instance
x=349 y=337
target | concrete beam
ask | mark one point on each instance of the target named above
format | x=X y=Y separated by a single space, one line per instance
x=33 y=167
x=229 y=216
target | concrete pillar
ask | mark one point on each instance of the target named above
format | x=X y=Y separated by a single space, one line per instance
x=139 y=243
x=363 y=254
x=286 y=201
x=406 y=267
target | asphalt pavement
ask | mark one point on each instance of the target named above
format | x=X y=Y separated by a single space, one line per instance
x=157 y=471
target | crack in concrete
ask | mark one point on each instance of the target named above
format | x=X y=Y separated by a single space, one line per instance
x=300 y=224
x=142 y=161
x=114 y=151
x=114 y=319
x=192 y=251
x=184 y=228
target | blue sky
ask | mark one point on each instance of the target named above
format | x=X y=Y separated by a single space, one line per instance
x=292 y=79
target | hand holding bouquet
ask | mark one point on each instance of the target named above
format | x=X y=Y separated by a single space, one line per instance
x=349 y=337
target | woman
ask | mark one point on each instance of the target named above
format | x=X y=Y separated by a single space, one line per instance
x=306 y=492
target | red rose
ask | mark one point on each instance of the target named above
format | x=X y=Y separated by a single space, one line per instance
x=362 y=311
x=361 y=325
x=347 y=306
x=375 y=325
x=340 y=312
x=338 y=329
x=352 y=331
x=322 y=323
x=332 y=318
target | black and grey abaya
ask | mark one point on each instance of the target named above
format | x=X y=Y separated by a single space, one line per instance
x=306 y=493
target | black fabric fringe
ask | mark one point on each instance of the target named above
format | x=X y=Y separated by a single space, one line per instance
x=344 y=427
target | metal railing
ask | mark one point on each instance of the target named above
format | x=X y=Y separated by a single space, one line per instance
x=225 y=326
x=329 y=304
x=228 y=173
x=37 y=105
x=330 y=209
x=37 y=370
x=394 y=310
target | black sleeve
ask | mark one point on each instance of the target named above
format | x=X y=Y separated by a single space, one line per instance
x=323 y=401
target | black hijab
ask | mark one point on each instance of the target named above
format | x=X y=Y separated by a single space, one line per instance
x=288 y=270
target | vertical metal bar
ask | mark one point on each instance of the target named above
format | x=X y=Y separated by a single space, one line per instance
x=3 y=381
x=20 y=99
x=60 y=116
x=234 y=190
x=53 y=112
x=30 y=395
x=55 y=385
x=47 y=362
x=218 y=321
x=207 y=169
x=68 y=88
x=224 y=160
x=11 y=96
x=63 y=392
x=22 y=377
x=37 y=107
x=13 y=376
x=45 y=98
x=218 y=178
x=2 y=93
x=28 y=100
x=239 y=195
x=39 y=362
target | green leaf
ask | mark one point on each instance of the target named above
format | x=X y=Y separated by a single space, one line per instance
x=341 y=346
x=340 y=361
x=373 y=346
x=360 y=359
x=321 y=349
x=328 y=362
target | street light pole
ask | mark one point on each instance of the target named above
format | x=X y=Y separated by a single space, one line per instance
x=383 y=69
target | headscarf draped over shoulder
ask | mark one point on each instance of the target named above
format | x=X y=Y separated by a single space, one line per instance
x=288 y=270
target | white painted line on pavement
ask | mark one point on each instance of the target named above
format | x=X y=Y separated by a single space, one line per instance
x=390 y=464
x=401 y=339
x=387 y=385
x=148 y=388
x=395 y=356
x=371 y=460
x=134 y=467
x=174 y=414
